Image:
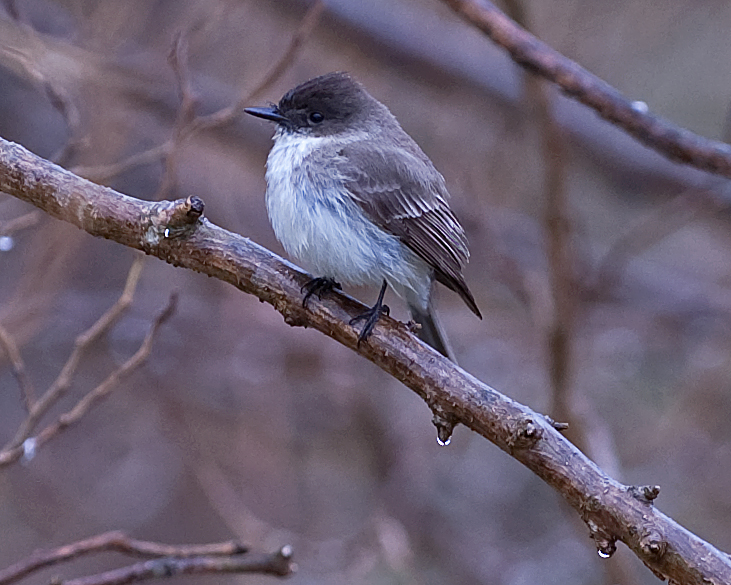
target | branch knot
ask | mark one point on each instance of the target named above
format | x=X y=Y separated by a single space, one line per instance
x=654 y=545
x=559 y=426
x=524 y=434
x=172 y=219
x=644 y=493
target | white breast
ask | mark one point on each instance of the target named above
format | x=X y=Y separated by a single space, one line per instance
x=319 y=225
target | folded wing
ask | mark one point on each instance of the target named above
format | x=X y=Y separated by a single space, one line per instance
x=401 y=192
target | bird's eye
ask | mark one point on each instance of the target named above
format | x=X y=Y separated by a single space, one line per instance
x=316 y=117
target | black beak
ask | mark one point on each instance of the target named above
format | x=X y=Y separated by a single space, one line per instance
x=268 y=113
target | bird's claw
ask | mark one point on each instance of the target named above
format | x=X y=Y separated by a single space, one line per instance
x=370 y=317
x=318 y=286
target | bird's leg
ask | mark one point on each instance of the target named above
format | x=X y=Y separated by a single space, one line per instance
x=371 y=315
x=318 y=286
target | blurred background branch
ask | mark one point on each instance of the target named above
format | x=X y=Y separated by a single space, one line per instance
x=13 y=354
x=218 y=558
x=27 y=440
x=187 y=123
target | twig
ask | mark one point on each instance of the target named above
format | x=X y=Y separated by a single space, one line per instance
x=634 y=117
x=178 y=60
x=12 y=9
x=134 y=362
x=226 y=115
x=559 y=253
x=63 y=103
x=611 y=510
x=112 y=541
x=48 y=81
x=223 y=557
x=62 y=382
x=649 y=230
x=22 y=222
x=278 y=563
x=11 y=349
x=102 y=173
x=15 y=452
x=561 y=262
x=188 y=125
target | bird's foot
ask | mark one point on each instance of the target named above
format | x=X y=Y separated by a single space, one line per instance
x=318 y=286
x=370 y=317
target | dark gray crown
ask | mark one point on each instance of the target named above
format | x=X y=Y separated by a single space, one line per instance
x=326 y=104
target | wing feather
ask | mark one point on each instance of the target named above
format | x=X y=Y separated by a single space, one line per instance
x=401 y=192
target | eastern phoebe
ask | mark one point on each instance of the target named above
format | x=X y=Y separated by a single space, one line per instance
x=355 y=199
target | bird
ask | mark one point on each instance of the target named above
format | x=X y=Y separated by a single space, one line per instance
x=352 y=197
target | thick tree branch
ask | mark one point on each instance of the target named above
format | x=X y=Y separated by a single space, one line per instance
x=174 y=232
x=669 y=139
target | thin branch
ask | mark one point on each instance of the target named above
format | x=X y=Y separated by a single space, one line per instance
x=178 y=60
x=278 y=564
x=667 y=219
x=59 y=387
x=226 y=115
x=223 y=557
x=102 y=173
x=16 y=360
x=560 y=257
x=188 y=125
x=669 y=139
x=117 y=542
x=30 y=60
x=14 y=452
x=66 y=106
x=22 y=222
x=611 y=510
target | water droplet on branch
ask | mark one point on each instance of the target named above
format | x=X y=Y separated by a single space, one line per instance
x=445 y=428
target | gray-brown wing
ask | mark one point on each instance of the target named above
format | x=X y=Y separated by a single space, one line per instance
x=402 y=192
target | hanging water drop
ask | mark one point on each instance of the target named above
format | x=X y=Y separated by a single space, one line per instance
x=443 y=439
x=445 y=428
x=6 y=243
x=606 y=550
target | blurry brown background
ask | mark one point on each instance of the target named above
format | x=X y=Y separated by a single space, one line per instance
x=242 y=427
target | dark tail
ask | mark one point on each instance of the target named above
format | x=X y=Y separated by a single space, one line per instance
x=431 y=331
